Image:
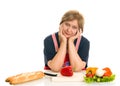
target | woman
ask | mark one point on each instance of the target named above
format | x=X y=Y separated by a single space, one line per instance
x=67 y=46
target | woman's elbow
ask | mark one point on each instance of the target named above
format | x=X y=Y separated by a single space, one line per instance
x=53 y=67
x=80 y=67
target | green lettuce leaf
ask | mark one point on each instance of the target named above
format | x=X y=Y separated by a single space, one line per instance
x=99 y=79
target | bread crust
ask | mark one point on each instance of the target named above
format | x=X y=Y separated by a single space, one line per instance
x=25 y=77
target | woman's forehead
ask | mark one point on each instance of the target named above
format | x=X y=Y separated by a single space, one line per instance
x=73 y=22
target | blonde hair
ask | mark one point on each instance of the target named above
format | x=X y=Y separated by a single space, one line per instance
x=72 y=15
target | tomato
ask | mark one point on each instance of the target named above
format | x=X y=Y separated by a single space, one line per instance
x=108 y=71
x=66 y=71
x=89 y=75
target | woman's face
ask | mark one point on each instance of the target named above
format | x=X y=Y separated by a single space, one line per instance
x=70 y=28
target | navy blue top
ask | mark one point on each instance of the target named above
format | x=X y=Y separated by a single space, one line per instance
x=49 y=49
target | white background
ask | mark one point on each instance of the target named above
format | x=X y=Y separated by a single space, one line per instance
x=25 y=23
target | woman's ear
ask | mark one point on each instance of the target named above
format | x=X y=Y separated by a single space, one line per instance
x=80 y=30
x=59 y=26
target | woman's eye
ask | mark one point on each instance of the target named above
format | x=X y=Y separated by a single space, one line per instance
x=74 y=27
x=67 y=24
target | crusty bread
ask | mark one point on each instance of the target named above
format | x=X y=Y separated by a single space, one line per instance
x=25 y=77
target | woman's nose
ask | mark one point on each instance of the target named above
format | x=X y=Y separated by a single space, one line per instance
x=69 y=29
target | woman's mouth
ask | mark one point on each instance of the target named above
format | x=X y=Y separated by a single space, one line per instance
x=67 y=35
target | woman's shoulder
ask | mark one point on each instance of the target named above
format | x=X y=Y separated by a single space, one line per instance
x=84 y=39
x=49 y=37
x=84 y=42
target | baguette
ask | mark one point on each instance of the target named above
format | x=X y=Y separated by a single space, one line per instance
x=25 y=77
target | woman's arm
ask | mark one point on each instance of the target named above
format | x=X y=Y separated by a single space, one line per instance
x=57 y=62
x=75 y=60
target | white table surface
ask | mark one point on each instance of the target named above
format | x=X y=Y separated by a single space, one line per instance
x=46 y=81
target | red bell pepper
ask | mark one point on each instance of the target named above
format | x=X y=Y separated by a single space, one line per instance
x=66 y=71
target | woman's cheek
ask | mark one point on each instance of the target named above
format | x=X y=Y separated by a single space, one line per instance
x=75 y=33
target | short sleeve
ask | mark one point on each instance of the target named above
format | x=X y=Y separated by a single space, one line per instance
x=84 y=49
x=49 y=50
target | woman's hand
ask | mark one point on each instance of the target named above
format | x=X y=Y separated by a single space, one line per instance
x=71 y=39
x=61 y=36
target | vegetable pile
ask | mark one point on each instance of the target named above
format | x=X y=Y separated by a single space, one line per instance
x=94 y=74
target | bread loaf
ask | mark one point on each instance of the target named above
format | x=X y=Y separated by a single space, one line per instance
x=25 y=77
